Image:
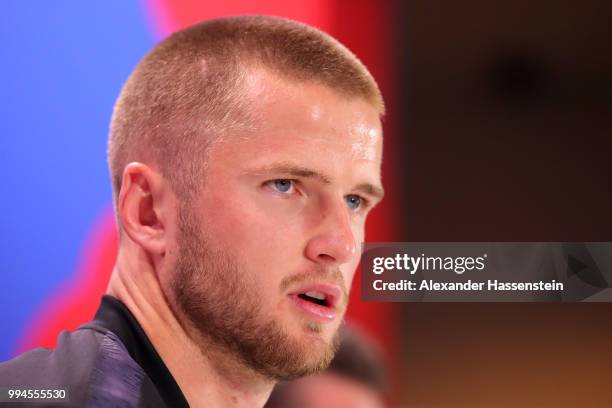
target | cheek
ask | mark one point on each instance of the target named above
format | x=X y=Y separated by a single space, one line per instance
x=243 y=223
x=348 y=272
x=254 y=236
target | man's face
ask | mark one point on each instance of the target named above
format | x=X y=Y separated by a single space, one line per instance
x=267 y=249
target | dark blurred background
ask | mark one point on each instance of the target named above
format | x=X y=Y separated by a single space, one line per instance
x=504 y=112
x=498 y=129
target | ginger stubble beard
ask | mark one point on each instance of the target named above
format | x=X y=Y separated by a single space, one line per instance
x=221 y=303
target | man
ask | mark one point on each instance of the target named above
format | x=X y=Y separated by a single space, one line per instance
x=245 y=156
x=355 y=378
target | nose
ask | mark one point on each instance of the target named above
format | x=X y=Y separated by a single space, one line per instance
x=333 y=242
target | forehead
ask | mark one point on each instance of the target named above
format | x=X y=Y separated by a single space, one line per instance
x=308 y=121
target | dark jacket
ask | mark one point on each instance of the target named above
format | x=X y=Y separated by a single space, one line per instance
x=108 y=362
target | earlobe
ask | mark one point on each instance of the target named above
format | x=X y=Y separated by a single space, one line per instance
x=140 y=207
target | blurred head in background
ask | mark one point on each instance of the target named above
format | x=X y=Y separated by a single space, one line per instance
x=356 y=378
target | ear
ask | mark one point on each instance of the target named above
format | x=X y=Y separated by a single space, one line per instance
x=144 y=206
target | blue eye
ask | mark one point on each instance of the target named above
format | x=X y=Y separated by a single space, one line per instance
x=353 y=201
x=282 y=185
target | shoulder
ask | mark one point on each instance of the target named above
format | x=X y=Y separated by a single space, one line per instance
x=74 y=352
x=69 y=365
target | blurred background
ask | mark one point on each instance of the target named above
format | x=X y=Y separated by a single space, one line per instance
x=499 y=128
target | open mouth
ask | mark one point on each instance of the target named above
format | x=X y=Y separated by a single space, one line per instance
x=317 y=298
x=318 y=301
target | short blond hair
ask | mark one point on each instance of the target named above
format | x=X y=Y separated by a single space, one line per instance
x=185 y=92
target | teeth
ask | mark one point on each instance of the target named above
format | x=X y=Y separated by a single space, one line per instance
x=316 y=295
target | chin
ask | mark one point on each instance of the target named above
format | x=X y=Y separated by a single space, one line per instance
x=312 y=330
x=310 y=347
x=318 y=337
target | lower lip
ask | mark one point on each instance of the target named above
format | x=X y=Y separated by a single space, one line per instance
x=314 y=311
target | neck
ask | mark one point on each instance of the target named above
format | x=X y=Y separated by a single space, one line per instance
x=207 y=375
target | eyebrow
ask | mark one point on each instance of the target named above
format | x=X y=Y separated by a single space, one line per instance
x=299 y=171
x=371 y=189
